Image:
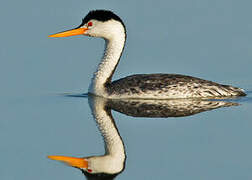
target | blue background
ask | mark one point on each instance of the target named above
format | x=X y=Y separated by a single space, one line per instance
x=209 y=39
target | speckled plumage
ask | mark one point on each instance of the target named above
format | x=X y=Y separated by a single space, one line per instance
x=166 y=86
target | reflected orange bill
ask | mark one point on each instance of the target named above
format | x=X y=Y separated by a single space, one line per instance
x=71 y=161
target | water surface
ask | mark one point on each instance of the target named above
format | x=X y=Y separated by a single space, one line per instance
x=206 y=39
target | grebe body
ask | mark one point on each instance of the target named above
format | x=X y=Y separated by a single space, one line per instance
x=107 y=25
x=168 y=86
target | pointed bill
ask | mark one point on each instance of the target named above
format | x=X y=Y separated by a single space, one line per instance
x=71 y=161
x=73 y=32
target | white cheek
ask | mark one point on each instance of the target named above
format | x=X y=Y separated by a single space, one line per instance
x=89 y=33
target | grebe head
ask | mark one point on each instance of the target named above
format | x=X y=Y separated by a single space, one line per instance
x=98 y=23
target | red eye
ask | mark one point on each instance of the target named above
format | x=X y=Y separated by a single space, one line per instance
x=90 y=24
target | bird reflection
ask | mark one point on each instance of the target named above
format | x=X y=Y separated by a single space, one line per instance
x=112 y=163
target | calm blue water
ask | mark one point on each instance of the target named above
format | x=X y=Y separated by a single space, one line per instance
x=207 y=39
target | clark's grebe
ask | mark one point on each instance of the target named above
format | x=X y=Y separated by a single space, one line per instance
x=109 y=26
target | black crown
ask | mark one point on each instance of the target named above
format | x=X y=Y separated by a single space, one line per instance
x=101 y=15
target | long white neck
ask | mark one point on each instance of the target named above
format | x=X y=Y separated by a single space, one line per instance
x=113 y=49
x=113 y=160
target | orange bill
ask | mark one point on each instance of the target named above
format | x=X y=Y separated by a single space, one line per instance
x=71 y=161
x=73 y=32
